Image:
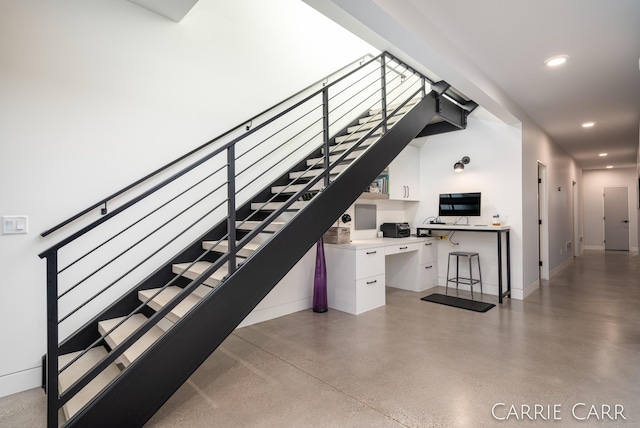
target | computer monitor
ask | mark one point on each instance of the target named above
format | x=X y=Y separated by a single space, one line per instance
x=459 y=204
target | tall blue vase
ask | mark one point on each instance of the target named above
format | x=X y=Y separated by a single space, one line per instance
x=320 y=281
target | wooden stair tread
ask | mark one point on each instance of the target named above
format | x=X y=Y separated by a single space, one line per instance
x=79 y=368
x=371 y=121
x=274 y=226
x=223 y=246
x=392 y=107
x=124 y=331
x=294 y=188
x=343 y=147
x=315 y=172
x=198 y=268
x=357 y=135
x=332 y=158
x=272 y=206
x=165 y=296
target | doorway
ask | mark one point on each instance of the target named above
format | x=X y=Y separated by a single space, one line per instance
x=616 y=218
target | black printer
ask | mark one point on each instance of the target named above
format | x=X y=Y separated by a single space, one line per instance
x=395 y=230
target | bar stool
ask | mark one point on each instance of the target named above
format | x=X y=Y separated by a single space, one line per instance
x=458 y=279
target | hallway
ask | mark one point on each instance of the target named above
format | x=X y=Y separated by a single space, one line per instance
x=418 y=364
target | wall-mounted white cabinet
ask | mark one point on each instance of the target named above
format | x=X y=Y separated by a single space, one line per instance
x=404 y=175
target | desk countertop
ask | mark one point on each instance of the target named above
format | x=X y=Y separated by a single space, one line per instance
x=378 y=242
x=470 y=227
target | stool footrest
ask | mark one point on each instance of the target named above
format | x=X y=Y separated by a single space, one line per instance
x=467 y=281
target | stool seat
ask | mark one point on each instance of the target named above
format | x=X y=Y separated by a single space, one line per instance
x=463 y=253
x=464 y=280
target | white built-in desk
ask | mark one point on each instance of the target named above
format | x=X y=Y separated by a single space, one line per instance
x=498 y=230
x=358 y=272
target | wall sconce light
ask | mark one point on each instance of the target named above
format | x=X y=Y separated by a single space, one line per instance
x=459 y=166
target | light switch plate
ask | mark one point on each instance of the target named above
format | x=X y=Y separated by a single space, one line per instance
x=15 y=224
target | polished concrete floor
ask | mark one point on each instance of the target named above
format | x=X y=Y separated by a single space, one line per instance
x=417 y=364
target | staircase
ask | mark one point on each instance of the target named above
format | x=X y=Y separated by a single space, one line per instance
x=106 y=370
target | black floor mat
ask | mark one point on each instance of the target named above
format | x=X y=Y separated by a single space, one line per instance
x=457 y=302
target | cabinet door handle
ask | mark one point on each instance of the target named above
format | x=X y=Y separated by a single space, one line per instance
x=372 y=282
x=371 y=252
x=408 y=193
x=428 y=267
x=403 y=248
x=428 y=243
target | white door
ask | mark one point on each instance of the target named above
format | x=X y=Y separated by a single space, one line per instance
x=616 y=218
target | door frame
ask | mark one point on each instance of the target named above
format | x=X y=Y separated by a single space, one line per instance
x=577 y=244
x=543 y=224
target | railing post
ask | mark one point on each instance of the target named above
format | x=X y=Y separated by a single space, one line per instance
x=231 y=204
x=52 y=340
x=383 y=87
x=325 y=133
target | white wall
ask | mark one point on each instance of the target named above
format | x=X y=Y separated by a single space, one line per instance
x=594 y=183
x=562 y=170
x=96 y=94
x=494 y=170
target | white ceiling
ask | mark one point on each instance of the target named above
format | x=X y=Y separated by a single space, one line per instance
x=493 y=51
x=172 y=9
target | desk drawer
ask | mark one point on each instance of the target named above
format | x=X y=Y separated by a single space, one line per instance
x=428 y=251
x=401 y=248
x=369 y=262
x=428 y=275
x=370 y=293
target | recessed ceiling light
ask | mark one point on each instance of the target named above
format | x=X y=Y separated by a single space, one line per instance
x=602 y=154
x=555 y=61
x=588 y=124
x=609 y=166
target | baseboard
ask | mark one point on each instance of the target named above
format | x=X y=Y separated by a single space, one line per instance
x=21 y=381
x=266 y=314
x=594 y=247
x=523 y=294
x=560 y=267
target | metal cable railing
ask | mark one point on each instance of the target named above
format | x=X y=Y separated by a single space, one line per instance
x=241 y=166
